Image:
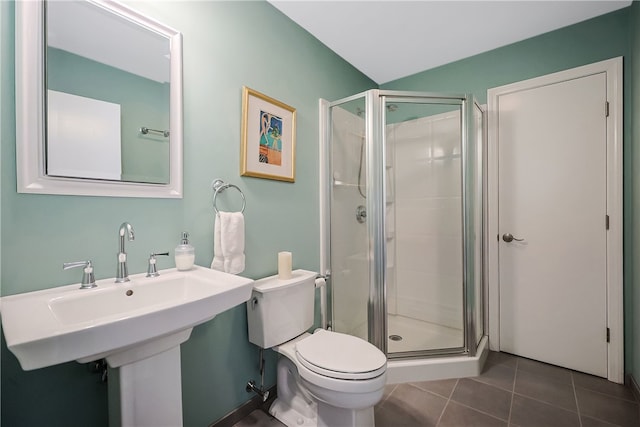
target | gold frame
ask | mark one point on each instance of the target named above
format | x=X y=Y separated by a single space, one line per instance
x=251 y=159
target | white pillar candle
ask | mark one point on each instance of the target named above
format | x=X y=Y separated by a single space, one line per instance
x=284 y=265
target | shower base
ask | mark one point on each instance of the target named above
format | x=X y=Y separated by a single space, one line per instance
x=437 y=368
x=417 y=335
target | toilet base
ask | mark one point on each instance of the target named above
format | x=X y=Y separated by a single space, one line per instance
x=295 y=407
x=291 y=417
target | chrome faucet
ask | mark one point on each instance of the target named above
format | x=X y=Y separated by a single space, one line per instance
x=122 y=274
x=88 y=278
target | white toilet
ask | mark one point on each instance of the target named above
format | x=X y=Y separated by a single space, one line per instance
x=325 y=379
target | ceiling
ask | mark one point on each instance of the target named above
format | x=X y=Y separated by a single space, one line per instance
x=388 y=40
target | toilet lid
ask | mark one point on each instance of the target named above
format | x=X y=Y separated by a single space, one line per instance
x=340 y=356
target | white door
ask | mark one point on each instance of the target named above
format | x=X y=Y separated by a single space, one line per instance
x=553 y=196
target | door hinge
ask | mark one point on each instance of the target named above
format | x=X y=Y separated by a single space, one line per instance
x=606 y=221
x=606 y=109
x=608 y=335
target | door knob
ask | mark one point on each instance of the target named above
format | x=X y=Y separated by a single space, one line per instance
x=508 y=237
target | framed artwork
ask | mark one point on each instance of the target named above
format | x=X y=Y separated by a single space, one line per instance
x=268 y=135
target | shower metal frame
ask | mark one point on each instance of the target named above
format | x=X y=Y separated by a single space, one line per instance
x=375 y=140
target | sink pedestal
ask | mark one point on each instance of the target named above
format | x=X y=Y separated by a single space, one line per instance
x=151 y=382
x=151 y=391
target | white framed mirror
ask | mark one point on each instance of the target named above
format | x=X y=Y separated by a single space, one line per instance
x=98 y=101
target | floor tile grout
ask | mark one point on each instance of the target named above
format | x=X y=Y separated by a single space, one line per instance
x=447 y=403
x=415 y=385
x=453 y=389
x=545 y=402
x=613 y=396
x=480 y=411
x=575 y=396
x=389 y=394
x=478 y=380
x=513 y=391
x=601 y=421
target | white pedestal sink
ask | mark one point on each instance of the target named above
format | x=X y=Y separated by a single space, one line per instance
x=137 y=326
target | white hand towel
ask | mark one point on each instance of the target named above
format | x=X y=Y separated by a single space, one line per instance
x=232 y=241
x=218 y=259
x=228 y=243
x=234 y=264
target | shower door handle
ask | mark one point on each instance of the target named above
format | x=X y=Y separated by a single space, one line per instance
x=508 y=237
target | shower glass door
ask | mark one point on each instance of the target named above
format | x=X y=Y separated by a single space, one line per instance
x=424 y=225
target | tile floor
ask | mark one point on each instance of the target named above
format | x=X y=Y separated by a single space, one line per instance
x=511 y=391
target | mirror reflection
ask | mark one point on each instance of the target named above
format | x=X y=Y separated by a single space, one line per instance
x=107 y=94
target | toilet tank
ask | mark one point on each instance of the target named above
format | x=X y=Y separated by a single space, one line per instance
x=280 y=310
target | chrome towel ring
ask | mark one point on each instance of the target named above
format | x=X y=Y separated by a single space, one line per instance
x=219 y=186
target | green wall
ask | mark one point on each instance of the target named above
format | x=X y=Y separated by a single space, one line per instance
x=226 y=45
x=612 y=35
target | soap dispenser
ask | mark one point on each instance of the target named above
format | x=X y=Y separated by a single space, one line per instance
x=185 y=253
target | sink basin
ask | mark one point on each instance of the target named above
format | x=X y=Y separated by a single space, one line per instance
x=122 y=322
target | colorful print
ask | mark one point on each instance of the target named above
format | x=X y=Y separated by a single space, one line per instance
x=270 y=139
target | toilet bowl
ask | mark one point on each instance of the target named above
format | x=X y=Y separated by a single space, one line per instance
x=325 y=379
x=332 y=377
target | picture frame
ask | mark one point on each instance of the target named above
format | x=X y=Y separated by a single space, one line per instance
x=268 y=137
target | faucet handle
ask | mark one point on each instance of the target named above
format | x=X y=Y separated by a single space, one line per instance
x=88 y=279
x=152 y=271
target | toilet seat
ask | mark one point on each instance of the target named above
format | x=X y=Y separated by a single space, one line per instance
x=340 y=356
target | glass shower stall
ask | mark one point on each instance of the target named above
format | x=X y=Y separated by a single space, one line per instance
x=402 y=195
